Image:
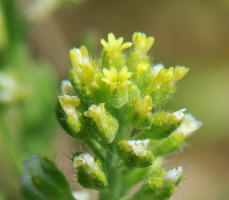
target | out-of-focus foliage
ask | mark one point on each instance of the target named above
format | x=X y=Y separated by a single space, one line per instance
x=37 y=10
x=27 y=94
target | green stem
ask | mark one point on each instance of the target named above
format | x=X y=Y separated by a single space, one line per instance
x=8 y=145
x=114 y=174
x=15 y=29
x=95 y=149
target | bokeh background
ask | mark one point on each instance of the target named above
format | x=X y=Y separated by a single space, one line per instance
x=192 y=33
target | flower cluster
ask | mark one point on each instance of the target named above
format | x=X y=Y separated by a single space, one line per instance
x=113 y=104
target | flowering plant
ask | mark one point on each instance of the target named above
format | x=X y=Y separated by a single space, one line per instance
x=114 y=105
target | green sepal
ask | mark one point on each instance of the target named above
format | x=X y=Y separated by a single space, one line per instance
x=43 y=181
x=135 y=153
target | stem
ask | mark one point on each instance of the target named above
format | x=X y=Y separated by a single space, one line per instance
x=15 y=29
x=114 y=172
x=95 y=149
x=8 y=145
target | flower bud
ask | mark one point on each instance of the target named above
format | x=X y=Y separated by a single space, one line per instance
x=67 y=114
x=163 y=124
x=168 y=145
x=158 y=187
x=89 y=171
x=135 y=153
x=106 y=124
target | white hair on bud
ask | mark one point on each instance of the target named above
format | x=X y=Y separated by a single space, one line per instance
x=189 y=125
x=66 y=87
x=156 y=69
x=139 y=146
x=179 y=114
x=85 y=159
x=174 y=174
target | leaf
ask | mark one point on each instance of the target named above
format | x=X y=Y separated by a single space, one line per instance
x=42 y=180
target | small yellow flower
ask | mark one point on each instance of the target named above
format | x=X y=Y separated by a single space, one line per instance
x=115 y=79
x=142 y=42
x=114 y=44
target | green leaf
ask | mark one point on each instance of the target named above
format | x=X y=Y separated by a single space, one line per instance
x=42 y=180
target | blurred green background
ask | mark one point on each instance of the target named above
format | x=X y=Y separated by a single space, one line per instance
x=192 y=33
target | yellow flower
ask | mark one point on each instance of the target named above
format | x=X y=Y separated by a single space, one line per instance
x=115 y=79
x=114 y=44
x=142 y=42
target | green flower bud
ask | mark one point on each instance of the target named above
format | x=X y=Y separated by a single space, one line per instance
x=158 y=188
x=135 y=153
x=89 y=172
x=67 y=114
x=106 y=124
x=163 y=124
x=168 y=145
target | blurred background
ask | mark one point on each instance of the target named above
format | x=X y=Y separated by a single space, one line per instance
x=35 y=37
